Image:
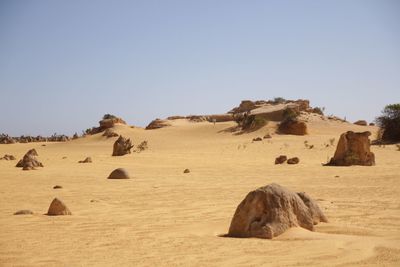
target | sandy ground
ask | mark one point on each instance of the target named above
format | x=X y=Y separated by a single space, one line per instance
x=162 y=217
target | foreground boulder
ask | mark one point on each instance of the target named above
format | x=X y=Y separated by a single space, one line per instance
x=57 y=207
x=353 y=149
x=271 y=210
x=119 y=173
x=122 y=146
x=293 y=127
x=29 y=161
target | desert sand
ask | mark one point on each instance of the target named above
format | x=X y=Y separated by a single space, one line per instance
x=164 y=217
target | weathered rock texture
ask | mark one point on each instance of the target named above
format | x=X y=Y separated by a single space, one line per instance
x=353 y=149
x=57 y=207
x=122 y=146
x=119 y=173
x=157 y=124
x=29 y=161
x=270 y=210
x=293 y=127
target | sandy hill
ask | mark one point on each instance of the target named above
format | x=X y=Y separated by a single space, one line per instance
x=163 y=217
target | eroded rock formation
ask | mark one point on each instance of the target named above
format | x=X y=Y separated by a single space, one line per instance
x=270 y=210
x=122 y=146
x=29 y=161
x=353 y=149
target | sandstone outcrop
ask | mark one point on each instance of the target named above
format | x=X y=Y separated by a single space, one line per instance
x=157 y=124
x=353 y=149
x=269 y=211
x=29 y=161
x=122 y=146
x=293 y=127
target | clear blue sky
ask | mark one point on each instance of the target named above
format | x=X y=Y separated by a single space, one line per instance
x=63 y=64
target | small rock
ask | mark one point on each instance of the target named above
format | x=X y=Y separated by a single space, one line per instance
x=23 y=212
x=257 y=139
x=294 y=160
x=119 y=173
x=186 y=171
x=87 y=160
x=267 y=136
x=281 y=159
x=57 y=187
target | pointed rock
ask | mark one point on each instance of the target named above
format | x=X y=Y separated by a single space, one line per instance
x=57 y=207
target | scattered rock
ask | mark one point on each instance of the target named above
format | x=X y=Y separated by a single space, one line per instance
x=64 y=157
x=269 y=211
x=57 y=187
x=267 y=136
x=157 y=124
x=122 y=146
x=175 y=118
x=257 y=139
x=353 y=149
x=186 y=171
x=109 y=133
x=8 y=157
x=293 y=127
x=5 y=139
x=294 y=160
x=87 y=160
x=57 y=207
x=281 y=159
x=371 y=124
x=29 y=161
x=361 y=123
x=23 y=212
x=119 y=173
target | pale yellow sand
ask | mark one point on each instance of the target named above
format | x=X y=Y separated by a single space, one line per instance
x=162 y=217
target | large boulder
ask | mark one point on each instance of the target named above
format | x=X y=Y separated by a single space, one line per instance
x=271 y=210
x=353 y=149
x=29 y=161
x=294 y=127
x=122 y=146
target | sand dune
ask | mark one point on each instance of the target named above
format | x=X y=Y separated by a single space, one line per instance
x=163 y=217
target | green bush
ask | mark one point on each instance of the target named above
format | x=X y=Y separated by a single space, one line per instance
x=389 y=122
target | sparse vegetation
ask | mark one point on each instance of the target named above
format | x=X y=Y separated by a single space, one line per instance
x=109 y=116
x=250 y=122
x=279 y=100
x=290 y=114
x=389 y=122
x=319 y=110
